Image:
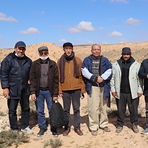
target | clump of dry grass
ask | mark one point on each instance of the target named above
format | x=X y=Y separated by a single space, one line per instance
x=9 y=138
x=53 y=143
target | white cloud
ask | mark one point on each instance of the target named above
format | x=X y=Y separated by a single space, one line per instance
x=88 y=41
x=30 y=30
x=115 y=34
x=122 y=1
x=133 y=21
x=3 y=17
x=100 y=28
x=87 y=26
x=60 y=42
x=74 y=30
x=105 y=43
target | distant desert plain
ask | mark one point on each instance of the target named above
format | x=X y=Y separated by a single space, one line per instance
x=126 y=139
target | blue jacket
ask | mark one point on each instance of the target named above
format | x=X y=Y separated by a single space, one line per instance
x=143 y=72
x=14 y=76
x=104 y=66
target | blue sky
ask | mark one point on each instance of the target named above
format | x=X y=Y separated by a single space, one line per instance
x=76 y=21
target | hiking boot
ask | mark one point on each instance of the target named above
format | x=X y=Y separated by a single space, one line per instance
x=119 y=129
x=145 y=131
x=27 y=130
x=94 y=132
x=79 y=132
x=66 y=132
x=41 y=132
x=135 y=128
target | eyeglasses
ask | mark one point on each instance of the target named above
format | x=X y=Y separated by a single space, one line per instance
x=43 y=52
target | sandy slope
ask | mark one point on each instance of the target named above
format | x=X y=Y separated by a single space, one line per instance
x=126 y=139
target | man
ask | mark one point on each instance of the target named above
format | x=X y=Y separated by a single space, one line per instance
x=126 y=88
x=71 y=85
x=97 y=71
x=14 y=81
x=44 y=86
x=143 y=73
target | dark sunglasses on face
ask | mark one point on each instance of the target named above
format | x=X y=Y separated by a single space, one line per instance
x=43 y=52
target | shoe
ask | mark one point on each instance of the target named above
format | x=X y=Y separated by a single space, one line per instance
x=79 y=132
x=135 y=128
x=27 y=130
x=41 y=132
x=119 y=129
x=94 y=132
x=106 y=129
x=55 y=134
x=66 y=132
x=145 y=131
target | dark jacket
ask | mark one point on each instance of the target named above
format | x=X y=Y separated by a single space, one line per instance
x=104 y=66
x=15 y=76
x=53 y=79
x=143 y=72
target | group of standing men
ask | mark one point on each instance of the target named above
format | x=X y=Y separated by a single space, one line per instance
x=70 y=78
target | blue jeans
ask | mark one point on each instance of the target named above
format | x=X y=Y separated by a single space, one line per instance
x=43 y=95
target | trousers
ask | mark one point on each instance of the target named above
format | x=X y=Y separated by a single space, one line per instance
x=74 y=97
x=97 y=105
x=25 y=111
x=132 y=106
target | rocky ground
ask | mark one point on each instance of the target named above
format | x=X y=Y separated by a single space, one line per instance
x=126 y=139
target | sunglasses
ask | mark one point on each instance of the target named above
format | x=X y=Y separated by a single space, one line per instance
x=43 y=52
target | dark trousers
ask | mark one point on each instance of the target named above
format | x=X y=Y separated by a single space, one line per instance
x=25 y=111
x=74 y=97
x=146 y=108
x=132 y=106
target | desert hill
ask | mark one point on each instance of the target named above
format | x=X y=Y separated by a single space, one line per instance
x=126 y=139
x=111 y=51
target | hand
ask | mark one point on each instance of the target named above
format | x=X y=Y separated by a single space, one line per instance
x=82 y=96
x=114 y=94
x=100 y=80
x=139 y=95
x=6 y=93
x=55 y=98
x=60 y=95
x=33 y=97
x=147 y=76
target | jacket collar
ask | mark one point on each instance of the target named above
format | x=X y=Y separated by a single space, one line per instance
x=39 y=61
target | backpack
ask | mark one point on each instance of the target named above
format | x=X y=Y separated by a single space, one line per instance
x=57 y=116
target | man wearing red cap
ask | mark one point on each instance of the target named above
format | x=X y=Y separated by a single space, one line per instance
x=126 y=87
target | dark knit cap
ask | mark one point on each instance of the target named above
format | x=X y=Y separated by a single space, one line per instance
x=126 y=50
x=67 y=44
x=42 y=48
x=20 y=44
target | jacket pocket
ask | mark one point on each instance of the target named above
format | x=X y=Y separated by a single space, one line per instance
x=13 y=90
